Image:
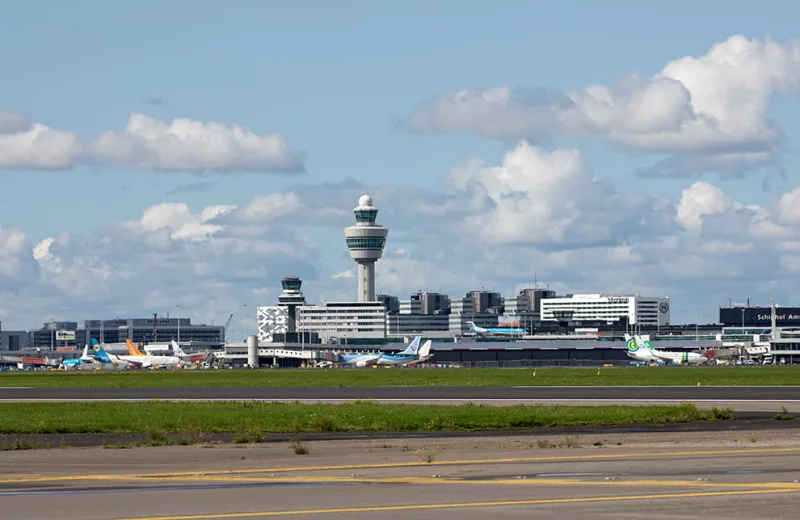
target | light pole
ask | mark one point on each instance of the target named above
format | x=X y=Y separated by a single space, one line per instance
x=696 y=321
x=742 y=321
x=179 y=324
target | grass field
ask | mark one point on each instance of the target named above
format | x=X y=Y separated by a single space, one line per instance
x=618 y=376
x=358 y=416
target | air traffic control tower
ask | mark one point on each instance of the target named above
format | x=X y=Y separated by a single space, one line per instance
x=365 y=241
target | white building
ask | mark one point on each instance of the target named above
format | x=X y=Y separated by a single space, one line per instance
x=639 y=310
x=342 y=320
x=270 y=321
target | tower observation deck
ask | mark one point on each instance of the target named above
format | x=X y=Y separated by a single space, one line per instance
x=291 y=298
x=365 y=241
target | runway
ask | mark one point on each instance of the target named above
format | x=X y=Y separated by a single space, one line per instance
x=621 y=477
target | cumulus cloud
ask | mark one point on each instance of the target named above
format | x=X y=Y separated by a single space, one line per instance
x=536 y=214
x=710 y=113
x=147 y=143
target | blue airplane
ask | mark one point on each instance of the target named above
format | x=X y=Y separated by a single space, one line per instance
x=84 y=359
x=412 y=354
x=507 y=331
x=367 y=360
x=104 y=357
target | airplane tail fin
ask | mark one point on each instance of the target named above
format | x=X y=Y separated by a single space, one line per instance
x=471 y=325
x=643 y=342
x=100 y=352
x=426 y=349
x=177 y=350
x=132 y=350
x=412 y=347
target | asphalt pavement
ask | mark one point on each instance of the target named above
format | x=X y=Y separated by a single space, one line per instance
x=708 y=477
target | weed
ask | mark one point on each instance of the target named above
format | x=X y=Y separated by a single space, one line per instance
x=598 y=443
x=299 y=446
x=571 y=442
x=545 y=443
x=720 y=414
x=427 y=454
x=753 y=439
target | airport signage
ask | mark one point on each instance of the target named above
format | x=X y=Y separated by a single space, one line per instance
x=759 y=316
x=65 y=335
x=617 y=300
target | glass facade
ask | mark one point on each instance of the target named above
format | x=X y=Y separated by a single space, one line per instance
x=366 y=215
x=366 y=243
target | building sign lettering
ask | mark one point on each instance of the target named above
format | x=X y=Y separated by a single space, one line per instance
x=617 y=300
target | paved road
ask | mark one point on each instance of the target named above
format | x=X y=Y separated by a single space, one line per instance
x=471 y=480
x=442 y=394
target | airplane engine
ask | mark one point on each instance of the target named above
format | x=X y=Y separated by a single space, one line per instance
x=361 y=364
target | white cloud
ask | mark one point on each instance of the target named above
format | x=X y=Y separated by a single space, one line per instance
x=32 y=145
x=710 y=112
x=148 y=144
x=535 y=215
x=541 y=197
x=180 y=222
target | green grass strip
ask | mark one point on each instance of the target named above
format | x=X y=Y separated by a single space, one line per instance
x=358 y=416
x=341 y=377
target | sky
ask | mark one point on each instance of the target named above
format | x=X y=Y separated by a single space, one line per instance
x=164 y=157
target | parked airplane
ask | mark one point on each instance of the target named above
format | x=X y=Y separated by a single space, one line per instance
x=146 y=361
x=689 y=358
x=410 y=355
x=503 y=331
x=178 y=351
x=107 y=359
x=85 y=359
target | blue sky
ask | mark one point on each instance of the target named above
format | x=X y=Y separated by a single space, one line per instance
x=331 y=78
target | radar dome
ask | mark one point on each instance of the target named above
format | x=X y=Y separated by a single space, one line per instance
x=365 y=200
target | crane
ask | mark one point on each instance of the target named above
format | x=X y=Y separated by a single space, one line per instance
x=228 y=324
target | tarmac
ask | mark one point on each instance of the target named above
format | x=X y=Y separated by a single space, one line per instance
x=727 y=475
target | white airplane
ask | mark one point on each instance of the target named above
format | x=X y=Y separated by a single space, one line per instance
x=409 y=355
x=178 y=351
x=145 y=361
x=645 y=348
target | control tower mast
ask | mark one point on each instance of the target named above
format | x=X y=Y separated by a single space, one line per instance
x=366 y=241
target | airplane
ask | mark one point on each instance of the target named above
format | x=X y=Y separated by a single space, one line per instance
x=367 y=360
x=107 y=359
x=84 y=359
x=679 y=358
x=638 y=352
x=498 y=330
x=178 y=351
x=145 y=361
x=409 y=355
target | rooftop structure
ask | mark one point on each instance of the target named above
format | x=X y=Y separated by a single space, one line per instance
x=366 y=241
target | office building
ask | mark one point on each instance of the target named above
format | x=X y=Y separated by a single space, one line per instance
x=637 y=310
x=392 y=303
x=336 y=322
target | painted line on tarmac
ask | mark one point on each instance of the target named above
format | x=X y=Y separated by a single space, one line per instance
x=464 y=505
x=388 y=465
x=534 y=481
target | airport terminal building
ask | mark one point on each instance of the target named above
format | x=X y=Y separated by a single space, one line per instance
x=637 y=310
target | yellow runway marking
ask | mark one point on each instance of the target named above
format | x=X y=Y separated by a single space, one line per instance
x=389 y=465
x=500 y=482
x=506 y=503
